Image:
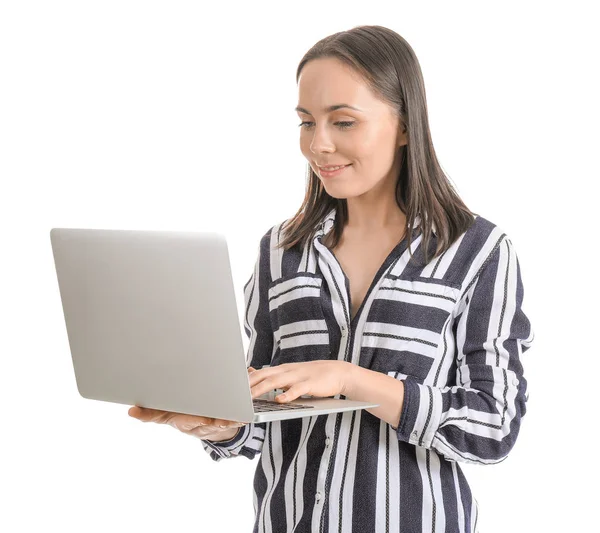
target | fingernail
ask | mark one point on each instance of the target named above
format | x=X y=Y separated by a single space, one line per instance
x=222 y=427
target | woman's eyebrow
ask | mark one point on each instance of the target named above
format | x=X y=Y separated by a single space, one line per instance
x=329 y=109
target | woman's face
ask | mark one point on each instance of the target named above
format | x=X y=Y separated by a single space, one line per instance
x=367 y=138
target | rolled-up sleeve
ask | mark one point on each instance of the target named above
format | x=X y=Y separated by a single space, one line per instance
x=478 y=419
x=250 y=438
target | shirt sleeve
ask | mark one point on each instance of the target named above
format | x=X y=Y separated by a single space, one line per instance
x=477 y=421
x=249 y=440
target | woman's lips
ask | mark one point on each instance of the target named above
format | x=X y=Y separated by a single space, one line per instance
x=330 y=174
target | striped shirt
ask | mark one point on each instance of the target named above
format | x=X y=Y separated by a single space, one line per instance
x=453 y=331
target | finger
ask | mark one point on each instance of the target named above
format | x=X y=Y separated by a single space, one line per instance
x=182 y=421
x=263 y=374
x=280 y=380
x=251 y=369
x=256 y=376
x=261 y=386
x=226 y=424
x=134 y=411
x=294 y=392
x=191 y=421
x=146 y=414
x=268 y=371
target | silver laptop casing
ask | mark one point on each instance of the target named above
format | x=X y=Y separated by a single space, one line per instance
x=152 y=320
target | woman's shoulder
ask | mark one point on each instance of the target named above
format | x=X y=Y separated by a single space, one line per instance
x=482 y=230
x=484 y=243
x=469 y=252
x=274 y=235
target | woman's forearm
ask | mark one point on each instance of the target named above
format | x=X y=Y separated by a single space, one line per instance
x=370 y=386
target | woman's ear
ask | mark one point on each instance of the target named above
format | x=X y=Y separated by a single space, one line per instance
x=402 y=136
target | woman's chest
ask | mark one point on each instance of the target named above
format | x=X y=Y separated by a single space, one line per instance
x=360 y=261
x=362 y=305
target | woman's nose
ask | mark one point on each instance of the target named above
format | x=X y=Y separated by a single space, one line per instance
x=321 y=142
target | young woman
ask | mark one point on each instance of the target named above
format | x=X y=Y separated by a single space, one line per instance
x=384 y=287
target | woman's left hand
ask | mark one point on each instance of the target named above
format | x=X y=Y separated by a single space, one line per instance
x=314 y=378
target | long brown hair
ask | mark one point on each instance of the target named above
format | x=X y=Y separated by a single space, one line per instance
x=390 y=67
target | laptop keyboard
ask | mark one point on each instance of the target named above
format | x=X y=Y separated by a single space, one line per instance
x=260 y=406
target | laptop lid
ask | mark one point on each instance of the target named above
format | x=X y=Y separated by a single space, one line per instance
x=151 y=319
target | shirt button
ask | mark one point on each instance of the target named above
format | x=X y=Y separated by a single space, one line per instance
x=515 y=382
x=327 y=442
x=319 y=495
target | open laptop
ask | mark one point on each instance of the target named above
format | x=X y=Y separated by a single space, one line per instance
x=152 y=320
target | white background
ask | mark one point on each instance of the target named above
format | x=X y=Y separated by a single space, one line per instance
x=179 y=116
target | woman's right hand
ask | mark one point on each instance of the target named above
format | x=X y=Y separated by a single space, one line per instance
x=202 y=427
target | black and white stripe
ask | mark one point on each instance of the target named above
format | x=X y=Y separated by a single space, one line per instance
x=454 y=331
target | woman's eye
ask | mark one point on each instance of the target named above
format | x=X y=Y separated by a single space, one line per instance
x=341 y=125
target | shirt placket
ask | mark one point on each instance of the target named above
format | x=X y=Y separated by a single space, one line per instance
x=333 y=274
x=349 y=330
